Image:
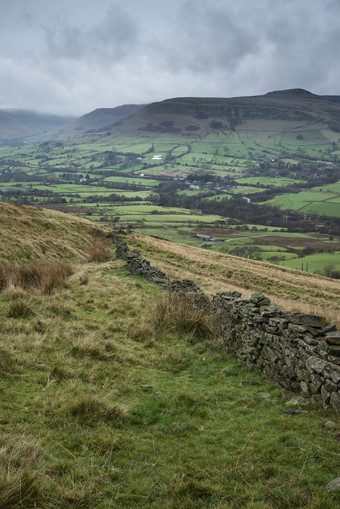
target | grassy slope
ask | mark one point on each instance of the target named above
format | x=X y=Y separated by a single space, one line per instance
x=33 y=233
x=216 y=272
x=100 y=408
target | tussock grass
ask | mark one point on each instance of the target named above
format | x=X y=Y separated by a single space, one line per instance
x=19 y=479
x=100 y=249
x=18 y=309
x=89 y=409
x=143 y=331
x=177 y=314
x=43 y=276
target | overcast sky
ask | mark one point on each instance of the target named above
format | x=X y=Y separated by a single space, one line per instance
x=72 y=56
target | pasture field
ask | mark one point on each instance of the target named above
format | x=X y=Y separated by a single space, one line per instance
x=65 y=175
x=267 y=181
x=112 y=390
x=331 y=188
x=312 y=202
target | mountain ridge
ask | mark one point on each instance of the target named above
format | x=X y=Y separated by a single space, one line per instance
x=186 y=114
x=202 y=114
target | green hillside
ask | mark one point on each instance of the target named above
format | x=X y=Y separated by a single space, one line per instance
x=105 y=404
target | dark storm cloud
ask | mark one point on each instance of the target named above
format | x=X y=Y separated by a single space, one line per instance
x=74 y=56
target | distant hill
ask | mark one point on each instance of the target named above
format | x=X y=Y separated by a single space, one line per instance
x=15 y=125
x=18 y=124
x=179 y=115
x=97 y=119
x=332 y=98
x=194 y=114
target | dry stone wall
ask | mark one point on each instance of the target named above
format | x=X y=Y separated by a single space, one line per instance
x=300 y=352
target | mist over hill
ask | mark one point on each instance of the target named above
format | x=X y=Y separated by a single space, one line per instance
x=18 y=124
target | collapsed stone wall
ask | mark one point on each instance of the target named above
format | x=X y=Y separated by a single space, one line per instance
x=298 y=351
x=138 y=266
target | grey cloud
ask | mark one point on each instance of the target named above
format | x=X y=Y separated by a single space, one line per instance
x=111 y=39
x=293 y=41
x=210 y=36
x=73 y=56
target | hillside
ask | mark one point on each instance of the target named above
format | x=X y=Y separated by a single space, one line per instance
x=18 y=124
x=97 y=119
x=96 y=380
x=33 y=234
x=297 y=107
x=216 y=272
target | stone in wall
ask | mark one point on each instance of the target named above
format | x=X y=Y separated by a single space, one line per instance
x=298 y=351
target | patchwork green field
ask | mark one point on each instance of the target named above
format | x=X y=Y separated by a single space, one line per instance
x=181 y=175
x=310 y=202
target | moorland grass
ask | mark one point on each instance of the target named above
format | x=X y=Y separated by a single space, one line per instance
x=44 y=276
x=103 y=407
x=216 y=272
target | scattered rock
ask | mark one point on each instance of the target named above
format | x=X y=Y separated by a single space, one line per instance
x=298 y=401
x=294 y=411
x=248 y=382
x=267 y=397
x=333 y=485
x=330 y=425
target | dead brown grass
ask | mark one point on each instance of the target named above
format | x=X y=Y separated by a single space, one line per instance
x=100 y=249
x=176 y=314
x=19 y=486
x=43 y=276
